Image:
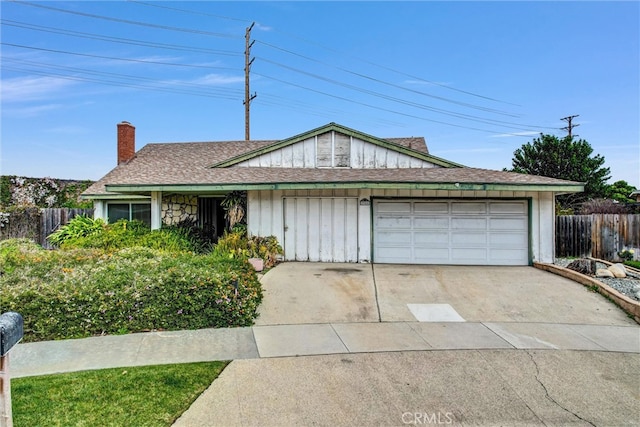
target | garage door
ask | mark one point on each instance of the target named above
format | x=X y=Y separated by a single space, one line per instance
x=321 y=229
x=451 y=232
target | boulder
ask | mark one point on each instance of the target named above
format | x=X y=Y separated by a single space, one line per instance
x=602 y=272
x=618 y=270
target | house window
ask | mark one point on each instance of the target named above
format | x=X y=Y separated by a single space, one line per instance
x=333 y=150
x=129 y=211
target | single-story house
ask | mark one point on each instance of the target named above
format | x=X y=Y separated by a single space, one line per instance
x=336 y=194
x=635 y=195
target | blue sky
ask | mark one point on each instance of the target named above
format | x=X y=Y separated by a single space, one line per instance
x=476 y=79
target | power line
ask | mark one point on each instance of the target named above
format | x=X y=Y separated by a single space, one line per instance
x=113 y=58
x=111 y=39
x=375 y=106
x=127 y=21
x=335 y=51
x=411 y=103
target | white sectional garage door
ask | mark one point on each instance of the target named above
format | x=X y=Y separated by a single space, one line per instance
x=491 y=232
x=321 y=229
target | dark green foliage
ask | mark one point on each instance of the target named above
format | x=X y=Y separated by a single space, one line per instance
x=620 y=191
x=83 y=292
x=564 y=158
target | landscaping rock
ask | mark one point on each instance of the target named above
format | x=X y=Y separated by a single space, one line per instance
x=257 y=263
x=618 y=270
x=602 y=272
x=583 y=266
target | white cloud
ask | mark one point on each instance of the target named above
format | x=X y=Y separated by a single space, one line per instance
x=508 y=135
x=261 y=27
x=217 y=80
x=30 y=111
x=31 y=88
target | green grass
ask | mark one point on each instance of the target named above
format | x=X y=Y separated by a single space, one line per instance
x=634 y=264
x=136 y=396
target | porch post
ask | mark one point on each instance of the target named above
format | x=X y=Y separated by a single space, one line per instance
x=156 y=210
x=99 y=209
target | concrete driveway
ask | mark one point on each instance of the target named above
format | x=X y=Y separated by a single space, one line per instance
x=305 y=293
x=353 y=344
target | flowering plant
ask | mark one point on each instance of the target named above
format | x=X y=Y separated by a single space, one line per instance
x=626 y=254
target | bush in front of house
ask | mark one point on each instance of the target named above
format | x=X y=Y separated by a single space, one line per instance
x=81 y=292
x=84 y=232
x=236 y=244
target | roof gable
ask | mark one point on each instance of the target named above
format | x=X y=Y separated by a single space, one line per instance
x=403 y=147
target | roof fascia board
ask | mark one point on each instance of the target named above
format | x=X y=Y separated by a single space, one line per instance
x=342 y=129
x=210 y=188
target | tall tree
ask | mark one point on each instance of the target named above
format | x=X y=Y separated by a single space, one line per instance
x=564 y=158
x=620 y=191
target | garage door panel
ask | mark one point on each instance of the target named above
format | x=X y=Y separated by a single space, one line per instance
x=393 y=238
x=393 y=222
x=430 y=255
x=468 y=239
x=452 y=232
x=402 y=207
x=395 y=254
x=468 y=208
x=470 y=255
x=470 y=223
x=507 y=208
x=508 y=239
x=430 y=207
x=515 y=224
x=437 y=223
x=432 y=238
x=508 y=256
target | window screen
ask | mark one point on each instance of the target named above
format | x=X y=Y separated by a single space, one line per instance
x=117 y=211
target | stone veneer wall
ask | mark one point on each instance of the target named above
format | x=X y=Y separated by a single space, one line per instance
x=178 y=208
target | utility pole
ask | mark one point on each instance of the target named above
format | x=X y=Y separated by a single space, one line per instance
x=247 y=67
x=569 y=126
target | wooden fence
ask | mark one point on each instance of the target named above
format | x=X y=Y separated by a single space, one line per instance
x=597 y=235
x=37 y=224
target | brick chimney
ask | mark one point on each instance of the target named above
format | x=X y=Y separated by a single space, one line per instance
x=126 y=142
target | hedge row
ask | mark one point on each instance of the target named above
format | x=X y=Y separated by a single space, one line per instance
x=83 y=292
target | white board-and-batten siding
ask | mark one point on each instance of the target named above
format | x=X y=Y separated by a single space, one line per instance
x=266 y=214
x=363 y=155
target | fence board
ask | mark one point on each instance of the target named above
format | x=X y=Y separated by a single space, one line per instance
x=597 y=235
x=53 y=218
x=36 y=224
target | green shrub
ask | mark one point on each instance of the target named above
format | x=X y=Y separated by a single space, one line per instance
x=79 y=227
x=82 y=292
x=238 y=245
x=123 y=234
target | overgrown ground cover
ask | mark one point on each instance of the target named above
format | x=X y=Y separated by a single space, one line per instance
x=103 y=282
x=140 y=396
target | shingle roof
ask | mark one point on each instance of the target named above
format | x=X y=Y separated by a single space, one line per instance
x=189 y=164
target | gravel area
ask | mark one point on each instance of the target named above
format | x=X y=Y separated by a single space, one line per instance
x=629 y=286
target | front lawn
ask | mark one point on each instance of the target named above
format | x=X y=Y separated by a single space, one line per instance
x=140 y=396
x=80 y=292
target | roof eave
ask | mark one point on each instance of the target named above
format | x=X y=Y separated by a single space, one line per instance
x=122 y=189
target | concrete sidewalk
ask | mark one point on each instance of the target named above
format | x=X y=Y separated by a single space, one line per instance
x=311 y=339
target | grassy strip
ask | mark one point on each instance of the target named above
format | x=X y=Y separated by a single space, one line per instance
x=137 y=396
